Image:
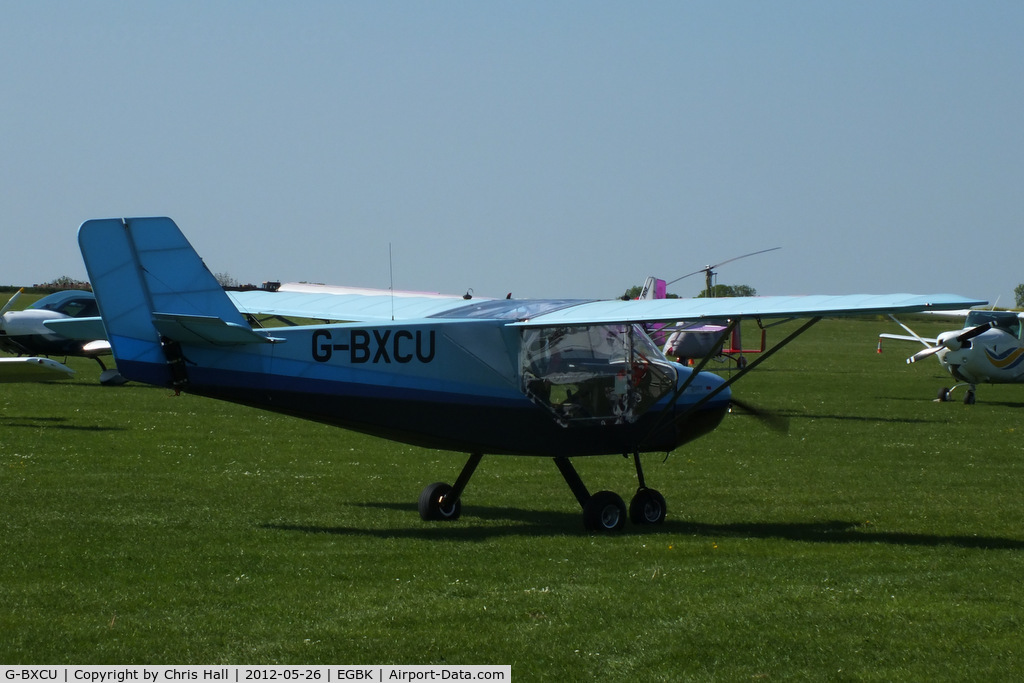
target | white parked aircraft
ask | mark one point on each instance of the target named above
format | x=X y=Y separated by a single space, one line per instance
x=988 y=349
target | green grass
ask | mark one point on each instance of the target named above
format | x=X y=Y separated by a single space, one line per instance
x=880 y=538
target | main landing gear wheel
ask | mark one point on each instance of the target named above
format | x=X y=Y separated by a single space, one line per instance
x=604 y=512
x=647 y=507
x=432 y=506
x=943 y=395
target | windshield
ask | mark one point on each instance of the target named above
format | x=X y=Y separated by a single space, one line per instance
x=1007 y=321
x=508 y=309
x=72 y=303
x=593 y=372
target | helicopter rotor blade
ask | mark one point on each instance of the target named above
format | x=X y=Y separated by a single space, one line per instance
x=707 y=269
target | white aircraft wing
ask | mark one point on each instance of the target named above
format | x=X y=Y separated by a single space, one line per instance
x=32 y=369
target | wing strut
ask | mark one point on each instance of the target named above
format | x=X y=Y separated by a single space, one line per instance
x=663 y=421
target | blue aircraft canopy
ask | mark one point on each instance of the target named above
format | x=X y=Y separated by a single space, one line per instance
x=72 y=302
x=509 y=309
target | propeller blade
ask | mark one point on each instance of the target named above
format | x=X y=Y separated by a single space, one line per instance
x=10 y=302
x=974 y=332
x=925 y=353
x=775 y=422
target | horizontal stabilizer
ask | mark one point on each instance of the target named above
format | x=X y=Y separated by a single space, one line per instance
x=83 y=329
x=207 y=330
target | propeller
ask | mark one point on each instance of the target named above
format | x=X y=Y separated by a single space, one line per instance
x=774 y=421
x=10 y=302
x=950 y=340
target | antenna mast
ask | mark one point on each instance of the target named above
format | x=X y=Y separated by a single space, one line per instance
x=391 y=282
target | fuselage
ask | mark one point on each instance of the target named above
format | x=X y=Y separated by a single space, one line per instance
x=995 y=356
x=23 y=332
x=472 y=385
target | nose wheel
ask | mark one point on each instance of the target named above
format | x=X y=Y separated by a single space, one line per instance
x=946 y=394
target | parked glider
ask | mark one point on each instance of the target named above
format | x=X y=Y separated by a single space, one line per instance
x=989 y=349
x=41 y=329
x=555 y=378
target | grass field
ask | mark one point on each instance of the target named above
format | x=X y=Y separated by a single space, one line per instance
x=881 y=538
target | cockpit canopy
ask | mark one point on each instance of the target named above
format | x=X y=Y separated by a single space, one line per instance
x=586 y=373
x=1007 y=321
x=72 y=303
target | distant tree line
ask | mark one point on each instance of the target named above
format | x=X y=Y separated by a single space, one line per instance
x=59 y=284
x=1019 y=293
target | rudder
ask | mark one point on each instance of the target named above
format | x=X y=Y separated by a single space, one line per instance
x=139 y=267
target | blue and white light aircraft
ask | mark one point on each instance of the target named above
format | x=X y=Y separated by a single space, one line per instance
x=554 y=378
x=988 y=350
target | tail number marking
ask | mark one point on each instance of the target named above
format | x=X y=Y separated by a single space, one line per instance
x=376 y=346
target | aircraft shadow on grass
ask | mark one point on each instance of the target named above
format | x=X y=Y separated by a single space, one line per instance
x=1001 y=404
x=873 y=419
x=52 y=423
x=1006 y=404
x=548 y=523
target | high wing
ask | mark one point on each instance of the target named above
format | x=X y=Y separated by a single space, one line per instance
x=378 y=305
x=812 y=306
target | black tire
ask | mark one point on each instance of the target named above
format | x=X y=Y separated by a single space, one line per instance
x=647 y=507
x=430 y=506
x=604 y=513
x=969 y=398
x=943 y=394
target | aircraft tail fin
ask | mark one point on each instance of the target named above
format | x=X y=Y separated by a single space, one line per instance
x=144 y=271
x=654 y=288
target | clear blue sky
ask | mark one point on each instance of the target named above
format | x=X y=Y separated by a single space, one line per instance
x=542 y=148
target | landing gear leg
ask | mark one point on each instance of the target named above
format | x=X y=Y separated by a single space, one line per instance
x=647 y=506
x=442 y=502
x=603 y=511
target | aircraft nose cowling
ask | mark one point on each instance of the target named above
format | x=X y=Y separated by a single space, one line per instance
x=950 y=341
x=24 y=323
x=702 y=405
